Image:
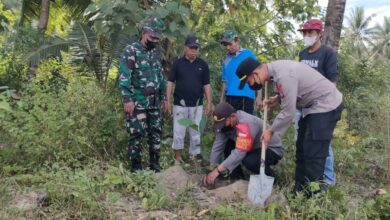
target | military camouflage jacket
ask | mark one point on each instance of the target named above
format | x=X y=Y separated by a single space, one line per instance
x=141 y=78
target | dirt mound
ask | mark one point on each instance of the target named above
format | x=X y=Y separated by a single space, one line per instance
x=27 y=201
x=276 y=197
x=173 y=179
x=232 y=192
x=176 y=178
x=126 y=208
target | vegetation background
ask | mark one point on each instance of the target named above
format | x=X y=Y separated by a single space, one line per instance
x=62 y=133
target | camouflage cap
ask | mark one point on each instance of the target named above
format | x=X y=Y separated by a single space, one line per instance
x=153 y=26
x=228 y=36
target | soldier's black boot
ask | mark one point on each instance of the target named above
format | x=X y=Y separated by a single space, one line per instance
x=155 y=162
x=136 y=165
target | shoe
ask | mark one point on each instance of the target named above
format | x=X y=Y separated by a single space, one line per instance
x=155 y=167
x=155 y=162
x=136 y=165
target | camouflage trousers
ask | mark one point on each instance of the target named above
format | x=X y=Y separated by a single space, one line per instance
x=144 y=122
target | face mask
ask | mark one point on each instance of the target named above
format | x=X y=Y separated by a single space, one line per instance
x=309 y=41
x=255 y=86
x=150 y=45
x=227 y=129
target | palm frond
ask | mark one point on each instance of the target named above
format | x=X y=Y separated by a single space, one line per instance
x=118 y=42
x=86 y=49
x=98 y=52
x=381 y=38
x=51 y=48
x=31 y=8
x=83 y=41
x=357 y=22
x=76 y=7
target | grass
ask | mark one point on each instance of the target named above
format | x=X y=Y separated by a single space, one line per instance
x=94 y=190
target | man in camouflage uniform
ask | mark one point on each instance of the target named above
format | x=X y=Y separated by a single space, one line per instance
x=142 y=85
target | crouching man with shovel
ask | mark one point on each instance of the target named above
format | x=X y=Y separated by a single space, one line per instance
x=245 y=129
x=299 y=85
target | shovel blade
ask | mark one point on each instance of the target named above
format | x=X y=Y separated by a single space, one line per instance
x=260 y=188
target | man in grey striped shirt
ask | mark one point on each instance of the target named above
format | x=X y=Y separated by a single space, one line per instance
x=245 y=130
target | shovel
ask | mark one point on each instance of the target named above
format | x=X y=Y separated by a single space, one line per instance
x=260 y=186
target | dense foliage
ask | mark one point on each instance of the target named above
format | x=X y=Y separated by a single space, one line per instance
x=62 y=125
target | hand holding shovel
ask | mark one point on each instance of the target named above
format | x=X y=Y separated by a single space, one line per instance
x=260 y=186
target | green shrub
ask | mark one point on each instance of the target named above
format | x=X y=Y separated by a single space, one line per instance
x=365 y=86
x=92 y=190
x=240 y=211
x=70 y=125
x=88 y=192
x=320 y=206
x=12 y=70
x=379 y=208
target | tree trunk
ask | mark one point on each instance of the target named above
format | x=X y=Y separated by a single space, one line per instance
x=334 y=23
x=44 y=16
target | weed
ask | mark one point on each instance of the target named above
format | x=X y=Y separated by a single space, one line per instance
x=240 y=211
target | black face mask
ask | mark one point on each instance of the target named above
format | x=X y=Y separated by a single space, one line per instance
x=227 y=129
x=150 y=45
x=255 y=86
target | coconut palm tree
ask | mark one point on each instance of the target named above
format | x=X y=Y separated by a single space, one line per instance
x=381 y=38
x=358 y=30
x=42 y=11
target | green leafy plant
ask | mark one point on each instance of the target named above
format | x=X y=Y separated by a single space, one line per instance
x=239 y=210
x=5 y=95
x=329 y=205
x=379 y=207
x=189 y=123
x=74 y=124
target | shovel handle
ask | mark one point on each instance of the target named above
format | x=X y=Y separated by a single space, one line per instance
x=263 y=145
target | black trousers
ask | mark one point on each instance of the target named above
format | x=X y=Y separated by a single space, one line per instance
x=312 y=147
x=241 y=103
x=252 y=161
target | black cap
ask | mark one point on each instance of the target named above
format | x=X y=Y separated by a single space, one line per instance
x=221 y=112
x=246 y=68
x=192 y=41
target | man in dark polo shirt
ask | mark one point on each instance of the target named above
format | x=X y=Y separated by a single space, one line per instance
x=191 y=78
x=323 y=59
